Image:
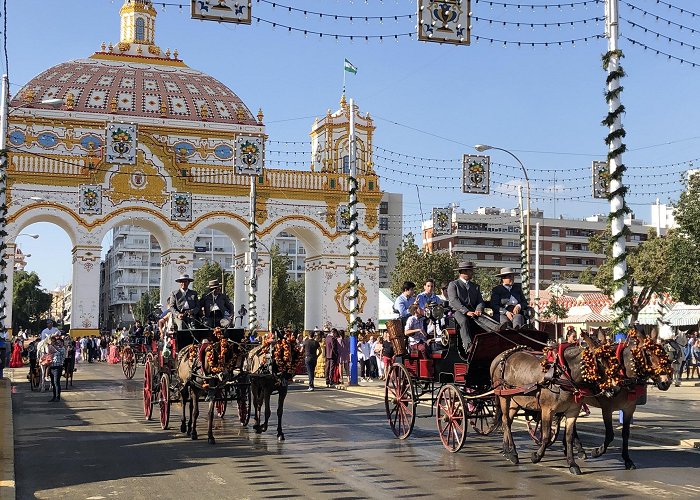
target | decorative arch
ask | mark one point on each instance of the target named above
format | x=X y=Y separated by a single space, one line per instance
x=58 y=215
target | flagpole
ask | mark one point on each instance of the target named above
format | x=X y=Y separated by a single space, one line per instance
x=344 y=72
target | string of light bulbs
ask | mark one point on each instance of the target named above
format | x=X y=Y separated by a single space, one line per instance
x=679 y=9
x=661 y=52
x=660 y=35
x=521 y=5
x=657 y=17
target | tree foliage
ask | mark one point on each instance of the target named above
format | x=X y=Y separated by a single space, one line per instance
x=417 y=266
x=287 y=294
x=29 y=301
x=212 y=271
x=146 y=305
x=684 y=245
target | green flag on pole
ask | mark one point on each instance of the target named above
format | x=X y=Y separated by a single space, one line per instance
x=350 y=68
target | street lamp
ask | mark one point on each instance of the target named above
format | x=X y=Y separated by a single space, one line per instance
x=483 y=147
x=269 y=307
x=33 y=236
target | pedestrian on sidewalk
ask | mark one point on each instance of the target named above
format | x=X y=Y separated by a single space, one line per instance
x=343 y=356
x=364 y=355
x=377 y=349
x=311 y=347
x=331 y=345
x=387 y=355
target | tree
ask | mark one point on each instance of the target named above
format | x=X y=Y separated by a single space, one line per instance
x=212 y=271
x=287 y=295
x=29 y=301
x=146 y=305
x=554 y=309
x=684 y=245
x=586 y=277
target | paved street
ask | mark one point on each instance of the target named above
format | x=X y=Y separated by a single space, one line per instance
x=96 y=444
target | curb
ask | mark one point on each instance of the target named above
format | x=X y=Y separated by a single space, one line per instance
x=7 y=443
x=643 y=434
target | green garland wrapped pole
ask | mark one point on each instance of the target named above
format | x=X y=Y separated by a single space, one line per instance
x=253 y=252
x=616 y=193
x=352 y=247
x=3 y=201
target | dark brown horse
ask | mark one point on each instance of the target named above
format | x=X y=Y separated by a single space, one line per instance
x=524 y=379
x=269 y=372
x=641 y=359
x=204 y=373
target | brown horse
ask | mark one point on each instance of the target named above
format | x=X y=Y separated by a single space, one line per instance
x=523 y=379
x=641 y=359
x=204 y=376
x=267 y=375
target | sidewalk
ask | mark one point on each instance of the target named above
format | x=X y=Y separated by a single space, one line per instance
x=7 y=442
x=670 y=418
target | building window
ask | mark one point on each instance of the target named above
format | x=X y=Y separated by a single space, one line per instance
x=488 y=243
x=556 y=261
x=140 y=30
x=513 y=243
x=383 y=240
x=555 y=231
x=383 y=255
x=556 y=275
x=346 y=164
x=556 y=247
x=489 y=256
x=384 y=223
x=384 y=207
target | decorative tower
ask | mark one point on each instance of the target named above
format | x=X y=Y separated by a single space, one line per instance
x=329 y=141
x=138 y=27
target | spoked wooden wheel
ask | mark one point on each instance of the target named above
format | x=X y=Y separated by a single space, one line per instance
x=147 y=390
x=484 y=416
x=451 y=418
x=164 y=401
x=243 y=402
x=128 y=362
x=534 y=427
x=400 y=401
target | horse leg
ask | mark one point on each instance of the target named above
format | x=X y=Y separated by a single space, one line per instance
x=626 y=421
x=195 y=412
x=183 y=421
x=546 y=417
x=578 y=445
x=507 y=420
x=257 y=404
x=570 y=427
x=210 y=431
x=267 y=395
x=609 y=432
x=280 y=411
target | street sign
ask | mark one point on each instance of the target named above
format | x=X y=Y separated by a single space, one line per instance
x=227 y=11
x=475 y=174
x=248 y=157
x=601 y=179
x=444 y=21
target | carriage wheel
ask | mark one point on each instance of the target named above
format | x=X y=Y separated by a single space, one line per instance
x=128 y=363
x=147 y=390
x=220 y=406
x=534 y=427
x=451 y=418
x=484 y=417
x=399 y=401
x=243 y=401
x=164 y=401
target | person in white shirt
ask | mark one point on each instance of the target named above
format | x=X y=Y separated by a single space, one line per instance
x=49 y=330
x=364 y=356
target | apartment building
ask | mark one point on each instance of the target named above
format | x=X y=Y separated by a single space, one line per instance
x=491 y=238
x=390 y=234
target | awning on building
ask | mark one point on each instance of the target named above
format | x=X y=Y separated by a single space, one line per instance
x=385 y=307
x=649 y=315
x=683 y=315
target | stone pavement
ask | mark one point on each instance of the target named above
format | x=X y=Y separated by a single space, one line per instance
x=670 y=418
x=7 y=448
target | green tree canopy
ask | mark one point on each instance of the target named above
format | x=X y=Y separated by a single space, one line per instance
x=29 y=301
x=212 y=271
x=287 y=294
x=684 y=245
x=146 y=305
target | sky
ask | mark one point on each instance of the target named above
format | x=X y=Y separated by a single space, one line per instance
x=431 y=103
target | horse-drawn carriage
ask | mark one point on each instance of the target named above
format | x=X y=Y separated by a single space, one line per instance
x=455 y=383
x=163 y=385
x=134 y=351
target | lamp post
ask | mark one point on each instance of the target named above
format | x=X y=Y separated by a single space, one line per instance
x=269 y=306
x=526 y=286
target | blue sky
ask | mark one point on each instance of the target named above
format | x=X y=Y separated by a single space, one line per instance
x=429 y=101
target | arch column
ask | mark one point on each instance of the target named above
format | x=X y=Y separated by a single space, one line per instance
x=173 y=263
x=240 y=294
x=85 y=290
x=9 y=284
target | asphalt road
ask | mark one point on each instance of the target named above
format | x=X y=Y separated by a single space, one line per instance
x=95 y=444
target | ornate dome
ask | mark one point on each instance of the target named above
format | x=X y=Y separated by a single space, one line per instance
x=134 y=79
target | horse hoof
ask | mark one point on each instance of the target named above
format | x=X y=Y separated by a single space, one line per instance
x=183 y=429
x=583 y=455
x=512 y=458
x=194 y=436
x=596 y=453
x=629 y=465
x=211 y=440
x=535 y=457
x=280 y=438
x=575 y=470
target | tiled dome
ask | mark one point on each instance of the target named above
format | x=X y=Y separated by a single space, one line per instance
x=107 y=83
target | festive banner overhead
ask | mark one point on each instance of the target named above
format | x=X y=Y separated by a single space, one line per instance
x=181 y=207
x=121 y=143
x=442 y=221
x=601 y=179
x=228 y=11
x=475 y=174
x=444 y=21
x=90 y=199
x=248 y=158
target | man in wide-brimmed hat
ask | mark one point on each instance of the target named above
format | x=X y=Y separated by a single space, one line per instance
x=216 y=306
x=508 y=301
x=465 y=298
x=183 y=303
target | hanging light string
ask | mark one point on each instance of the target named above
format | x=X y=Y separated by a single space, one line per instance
x=661 y=52
x=549 y=24
x=659 y=35
x=679 y=9
x=659 y=18
x=327 y=15
x=521 y=5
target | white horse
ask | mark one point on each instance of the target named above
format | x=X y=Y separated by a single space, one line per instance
x=42 y=348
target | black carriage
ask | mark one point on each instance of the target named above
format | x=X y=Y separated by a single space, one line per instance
x=454 y=383
x=161 y=385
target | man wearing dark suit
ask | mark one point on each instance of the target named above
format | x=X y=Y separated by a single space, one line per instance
x=464 y=297
x=183 y=303
x=332 y=355
x=507 y=300
x=216 y=306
